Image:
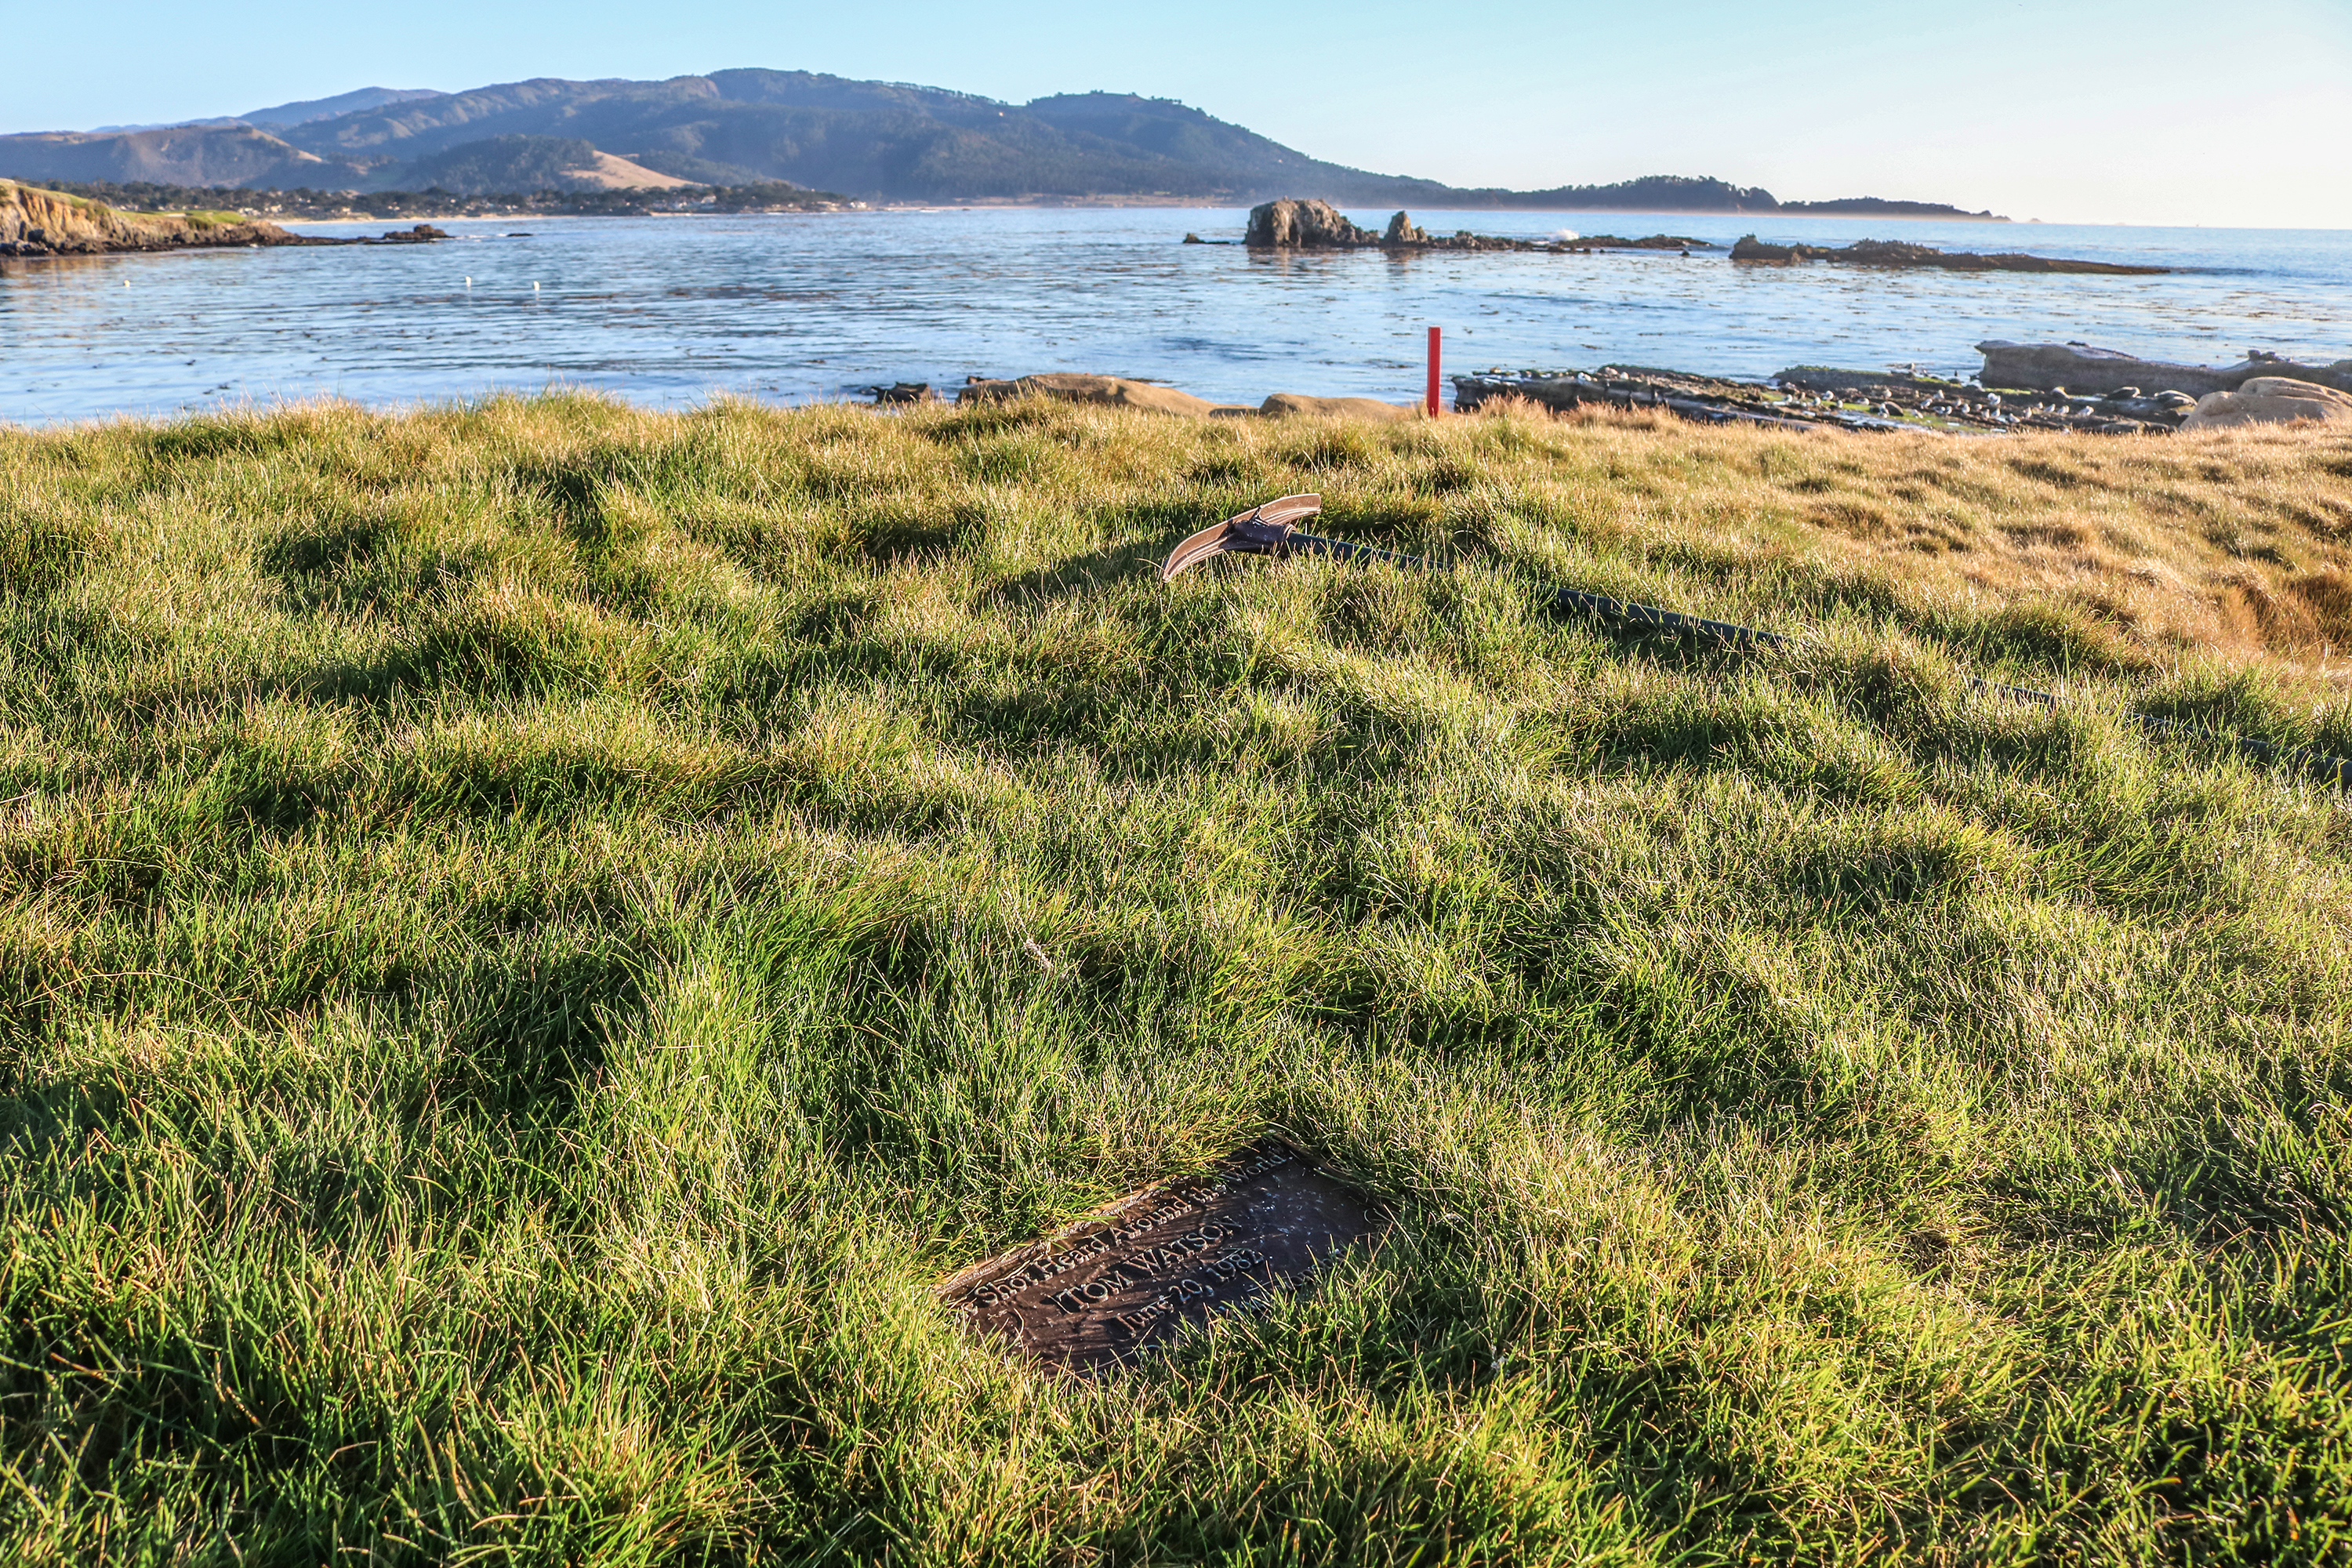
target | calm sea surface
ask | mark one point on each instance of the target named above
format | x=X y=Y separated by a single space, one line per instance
x=790 y=308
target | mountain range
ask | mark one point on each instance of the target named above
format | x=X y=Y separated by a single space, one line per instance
x=881 y=141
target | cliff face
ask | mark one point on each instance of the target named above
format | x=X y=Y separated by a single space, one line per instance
x=35 y=222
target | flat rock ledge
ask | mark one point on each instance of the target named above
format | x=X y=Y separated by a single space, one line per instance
x=2076 y=368
x=1898 y=253
x=1826 y=398
x=2022 y=387
x=2156 y=399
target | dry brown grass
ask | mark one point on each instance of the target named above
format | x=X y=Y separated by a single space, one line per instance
x=2236 y=544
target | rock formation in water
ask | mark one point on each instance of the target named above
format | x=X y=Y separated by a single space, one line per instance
x=2080 y=368
x=1304 y=224
x=1292 y=223
x=1899 y=253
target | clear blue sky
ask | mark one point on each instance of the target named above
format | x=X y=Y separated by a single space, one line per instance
x=2081 y=111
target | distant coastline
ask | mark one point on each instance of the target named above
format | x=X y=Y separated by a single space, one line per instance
x=1804 y=210
x=696 y=201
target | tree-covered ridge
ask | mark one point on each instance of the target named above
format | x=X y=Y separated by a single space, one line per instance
x=877 y=141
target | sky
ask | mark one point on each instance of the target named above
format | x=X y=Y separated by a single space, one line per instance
x=2146 y=112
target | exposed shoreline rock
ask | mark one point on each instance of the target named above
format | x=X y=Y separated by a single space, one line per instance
x=2080 y=368
x=2272 y=400
x=1979 y=405
x=1293 y=224
x=1801 y=397
x=1900 y=253
x=1824 y=397
x=1703 y=398
x=38 y=222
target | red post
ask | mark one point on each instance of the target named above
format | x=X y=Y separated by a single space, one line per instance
x=1433 y=373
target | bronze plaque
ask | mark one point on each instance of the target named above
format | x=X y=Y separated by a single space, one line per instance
x=1108 y=1286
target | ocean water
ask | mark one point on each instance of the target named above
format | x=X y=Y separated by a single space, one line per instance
x=800 y=306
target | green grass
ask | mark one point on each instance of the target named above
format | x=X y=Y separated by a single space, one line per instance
x=532 y=935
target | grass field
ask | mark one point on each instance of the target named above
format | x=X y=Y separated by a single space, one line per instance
x=532 y=935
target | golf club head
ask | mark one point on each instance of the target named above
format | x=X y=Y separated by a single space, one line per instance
x=1258 y=532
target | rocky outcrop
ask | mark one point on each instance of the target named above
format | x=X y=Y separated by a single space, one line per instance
x=1824 y=395
x=1965 y=406
x=1292 y=223
x=1708 y=399
x=2080 y=368
x=1898 y=253
x=2271 y=400
x=35 y=222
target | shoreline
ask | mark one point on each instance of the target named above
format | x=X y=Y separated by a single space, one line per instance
x=722 y=318
x=419 y=213
x=871 y=209
x=1153 y=203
